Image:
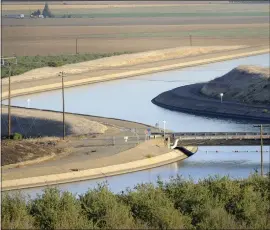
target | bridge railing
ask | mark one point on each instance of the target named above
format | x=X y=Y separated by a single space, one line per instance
x=222 y=137
x=177 y=134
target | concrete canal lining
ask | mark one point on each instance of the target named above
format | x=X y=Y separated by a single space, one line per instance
x=96 y=173
x=109 y=77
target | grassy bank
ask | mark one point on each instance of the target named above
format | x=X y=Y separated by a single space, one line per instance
x=213 y=203
x=26 y=63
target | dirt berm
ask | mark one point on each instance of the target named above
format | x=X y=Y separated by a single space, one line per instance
x=246 y=96
x=248 y=84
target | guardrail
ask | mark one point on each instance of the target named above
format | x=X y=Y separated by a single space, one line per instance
x=224 y=137
x=177 y=134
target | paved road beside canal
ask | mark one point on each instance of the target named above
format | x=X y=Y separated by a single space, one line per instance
x=87 y=151
x=147 y=155
x=87 y=137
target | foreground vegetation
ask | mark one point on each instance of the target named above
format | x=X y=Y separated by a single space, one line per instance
x=213 y=203
x=26 y=63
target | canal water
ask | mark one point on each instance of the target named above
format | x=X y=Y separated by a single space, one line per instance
x=232 y=161
x=130 y=99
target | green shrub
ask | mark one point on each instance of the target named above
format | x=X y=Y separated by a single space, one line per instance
x=17 y=136
x=186 y=196
x=102 y=207
x=53 y=210
x=213 y=203
x=217 y=218
x=150 y=205
x=251 y=208
x=54 y=63
x=14 y=213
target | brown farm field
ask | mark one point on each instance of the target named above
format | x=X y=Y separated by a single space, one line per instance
x=105 y=27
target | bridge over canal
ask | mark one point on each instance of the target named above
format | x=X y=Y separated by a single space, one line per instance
x=216 y=138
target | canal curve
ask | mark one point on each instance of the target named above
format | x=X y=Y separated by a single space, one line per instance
x=130 y=99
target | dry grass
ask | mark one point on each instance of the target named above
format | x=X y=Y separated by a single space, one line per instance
x=248 y=84
x=25 y=152
x=49 y=123
x=120 y=61
x=252 y=69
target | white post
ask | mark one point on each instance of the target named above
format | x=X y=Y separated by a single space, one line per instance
x=221 y=95
x=164 y=126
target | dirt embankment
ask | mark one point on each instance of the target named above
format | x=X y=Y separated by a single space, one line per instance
x=246 y=96
x=33 y=123
x=19 y=153
x=120 y=62
x=246 y=84
x=87 y=137
x=48 y=126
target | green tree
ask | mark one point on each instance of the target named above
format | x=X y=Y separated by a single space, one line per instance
x=36 y=13
x=46 y=11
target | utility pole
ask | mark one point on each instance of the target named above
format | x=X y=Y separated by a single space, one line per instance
x=76 y=45
x=9 y=100
x=61 y=74
x=190 y=40
x=261 y=135
x=9 y=65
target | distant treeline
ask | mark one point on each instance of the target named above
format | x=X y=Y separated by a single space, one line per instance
x=212 y=203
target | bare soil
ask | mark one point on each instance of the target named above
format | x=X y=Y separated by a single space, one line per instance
x=25 y=150
x=52 y=40
x=106 y=33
